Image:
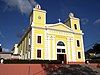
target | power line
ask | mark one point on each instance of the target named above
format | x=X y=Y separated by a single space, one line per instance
x=92 y=44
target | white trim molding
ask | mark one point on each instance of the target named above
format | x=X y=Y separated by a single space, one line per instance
x=37 y=38
x=41 y=53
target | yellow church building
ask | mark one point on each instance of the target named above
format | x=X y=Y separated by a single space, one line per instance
x=59 y=41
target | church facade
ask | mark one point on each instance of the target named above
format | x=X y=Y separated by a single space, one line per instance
x=59 y=41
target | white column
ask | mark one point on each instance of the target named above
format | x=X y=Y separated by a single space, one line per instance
x=68 y=51
x=83 y=53
x=28 y=54
x=46 y=46
x=73 y=49
x=25 y=55
x=32 y=44
x=21 y=54
x=49 y=49
x=53 y=49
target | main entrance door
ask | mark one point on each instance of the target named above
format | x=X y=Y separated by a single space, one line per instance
x=61 y=57
x=61 y=54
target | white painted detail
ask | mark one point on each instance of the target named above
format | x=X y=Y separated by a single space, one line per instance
x=38 y=6
x=41 y=53
x=71 y=15
x=29 y=41
x=32 y=45
x=60 y=53
x=41 y=38
x=73 y=49
x=59 y=20
x=28 y=54
x=83 y=55
x=49 y=50
x=68 y=51
x=53 y=48
x=15 y=49
x=60 y=47
x=46 y=46
x=25 y=55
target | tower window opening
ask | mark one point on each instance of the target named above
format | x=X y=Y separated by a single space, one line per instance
x=38 y=39
x=79 y=55
x=78 y=43
x=39 y=53
x=75 y=26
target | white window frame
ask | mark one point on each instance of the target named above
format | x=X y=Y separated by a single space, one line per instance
x=75 y=27
x=37 y=38
x=36 y=53
x=79 y=43
x=60 y=47
x=29 y=41
x=80 y=55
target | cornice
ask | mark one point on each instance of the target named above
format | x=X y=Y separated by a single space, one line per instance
x=47 y=28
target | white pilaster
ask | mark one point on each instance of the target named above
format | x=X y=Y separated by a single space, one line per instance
x=46 y=46
x=53 y=49
x=73 y=49
x=83 y=54
x=68 y=51
x=28 y=54
x=49 y=49
x=32 y=44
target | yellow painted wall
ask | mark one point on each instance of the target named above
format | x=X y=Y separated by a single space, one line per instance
x=38 y=45
x=60 y=27
x=39 y=20
x=78 y=49
x=64 y=39
x=75 y=21
x=24 y=44
x=68 y=23
x=39 y=17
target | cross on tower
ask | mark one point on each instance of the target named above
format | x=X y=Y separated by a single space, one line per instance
x=59 y=20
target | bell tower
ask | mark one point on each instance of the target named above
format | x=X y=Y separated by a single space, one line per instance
x=38 y=16
x=73 y=22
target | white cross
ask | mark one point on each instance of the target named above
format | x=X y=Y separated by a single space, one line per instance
x=59 y=20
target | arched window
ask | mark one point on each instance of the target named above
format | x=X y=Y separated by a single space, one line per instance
x=60 y=43
x=78 y=43
x=75 y=26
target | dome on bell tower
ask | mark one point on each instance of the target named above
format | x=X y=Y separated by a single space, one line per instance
x=71 y=15
x=38 y=6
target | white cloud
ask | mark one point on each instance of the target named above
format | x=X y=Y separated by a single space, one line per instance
x=24 y=6
x=97 y=21
x=5 y=50
x=1 y=35
x=33 y=2
x=84 y=21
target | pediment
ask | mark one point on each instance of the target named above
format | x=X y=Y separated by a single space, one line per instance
x=60 y=26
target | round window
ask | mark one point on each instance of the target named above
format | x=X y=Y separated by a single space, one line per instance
x=39 y=17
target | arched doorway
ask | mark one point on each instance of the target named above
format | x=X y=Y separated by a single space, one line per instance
x=61 y=52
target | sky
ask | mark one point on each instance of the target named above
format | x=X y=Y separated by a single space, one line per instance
x=14 y=18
